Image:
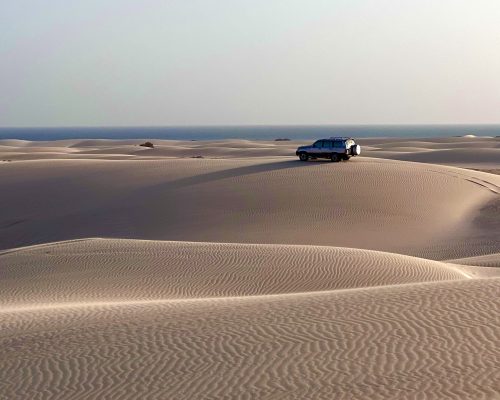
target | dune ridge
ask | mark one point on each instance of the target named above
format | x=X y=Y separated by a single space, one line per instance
x=489 y=260
x=112 y=270
x=470 y=152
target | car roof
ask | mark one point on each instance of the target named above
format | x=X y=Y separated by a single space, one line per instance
x=337 y=138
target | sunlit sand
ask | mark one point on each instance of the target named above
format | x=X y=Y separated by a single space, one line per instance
x=229 y=269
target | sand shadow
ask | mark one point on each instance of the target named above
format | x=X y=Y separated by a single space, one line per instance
x=234 y=173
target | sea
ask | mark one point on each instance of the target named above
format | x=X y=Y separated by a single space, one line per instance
x=292 y=132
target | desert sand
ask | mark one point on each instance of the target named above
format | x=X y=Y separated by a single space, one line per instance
x=229 y=269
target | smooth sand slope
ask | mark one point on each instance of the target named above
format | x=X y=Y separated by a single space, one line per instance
x=470 y=152
x=386 y=205
x=489 y=260
x=490 y=265
x=262 y=277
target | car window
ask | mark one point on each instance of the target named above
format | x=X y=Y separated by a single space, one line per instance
x=338 y=144
x=327 y=143
x=317 y=143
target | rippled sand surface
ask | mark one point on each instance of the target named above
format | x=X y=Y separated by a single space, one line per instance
x=134 y=273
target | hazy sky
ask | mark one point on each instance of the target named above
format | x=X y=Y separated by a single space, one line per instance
x=192 y=62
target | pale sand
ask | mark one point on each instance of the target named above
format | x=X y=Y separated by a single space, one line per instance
x=409 y=208
x=417 y=341
x=470 y=152
x=490 y=261
x=285 y=317
x=108 y=270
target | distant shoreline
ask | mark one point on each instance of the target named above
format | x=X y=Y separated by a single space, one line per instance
x=298 y=132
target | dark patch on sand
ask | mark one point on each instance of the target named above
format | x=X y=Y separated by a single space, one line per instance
x=489 y=171
x=489 y=217
x=8 y=224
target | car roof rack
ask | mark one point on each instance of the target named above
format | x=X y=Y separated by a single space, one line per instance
x=339 y=138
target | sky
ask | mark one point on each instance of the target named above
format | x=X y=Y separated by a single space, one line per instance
x=256 y=62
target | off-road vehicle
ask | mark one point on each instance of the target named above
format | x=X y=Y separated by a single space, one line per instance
x=334 y=148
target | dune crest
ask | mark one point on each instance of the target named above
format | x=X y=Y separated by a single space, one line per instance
x=113 y=270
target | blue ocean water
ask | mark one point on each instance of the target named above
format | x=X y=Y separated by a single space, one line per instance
x=249 y=132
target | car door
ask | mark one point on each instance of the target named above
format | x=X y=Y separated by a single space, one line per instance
x=327 y=148
x=317 y=148
x=339 y=146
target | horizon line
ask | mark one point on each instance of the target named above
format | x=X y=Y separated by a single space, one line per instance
x=246 y=125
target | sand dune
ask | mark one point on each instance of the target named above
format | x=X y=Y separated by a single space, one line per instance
x=261 y=281
x=480 y=266
x=489 y=260
x=470 y=152
x=461 y=157
x=434 y=340
x=109 y=270
x=366 y=203
x=75 y=149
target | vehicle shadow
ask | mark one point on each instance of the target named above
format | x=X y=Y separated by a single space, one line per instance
x=237 y=172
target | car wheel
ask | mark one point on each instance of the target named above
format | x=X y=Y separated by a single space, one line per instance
x=334 y=157
x=303 y=157
x=345 y=157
